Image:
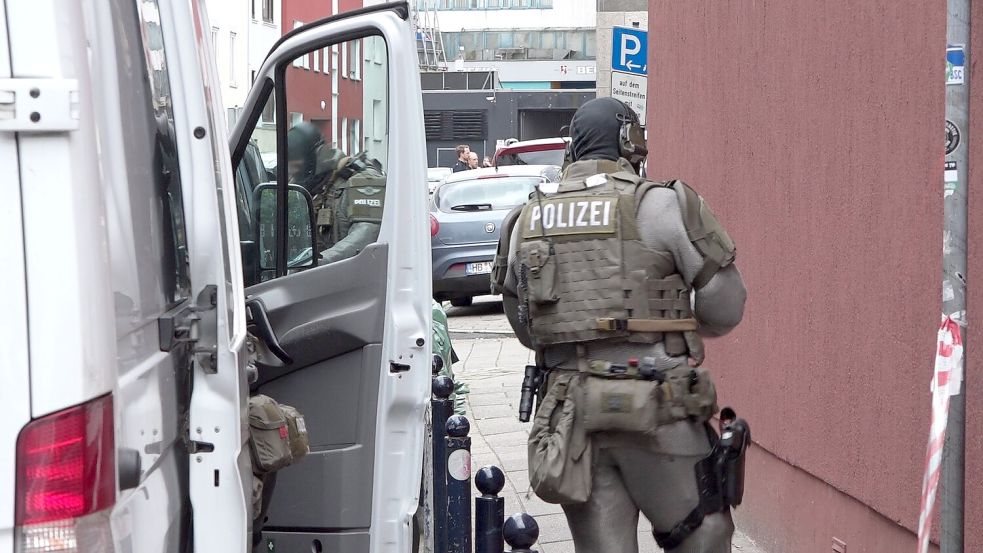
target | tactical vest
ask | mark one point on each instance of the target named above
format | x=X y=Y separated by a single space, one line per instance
x=357 y=196
x=584 y=273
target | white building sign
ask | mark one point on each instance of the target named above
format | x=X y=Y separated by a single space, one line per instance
x=630 y=89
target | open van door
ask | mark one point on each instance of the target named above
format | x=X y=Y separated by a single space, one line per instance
x=336 y=256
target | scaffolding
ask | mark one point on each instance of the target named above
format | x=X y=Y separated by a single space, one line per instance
x=429 y=42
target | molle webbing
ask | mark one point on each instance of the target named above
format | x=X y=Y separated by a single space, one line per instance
x=589 y=276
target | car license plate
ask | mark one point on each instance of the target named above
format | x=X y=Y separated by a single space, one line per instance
x=482 y=268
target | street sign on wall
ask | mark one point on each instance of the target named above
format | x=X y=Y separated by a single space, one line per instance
x=629 y=68
x=629 y=53
x=630 y=89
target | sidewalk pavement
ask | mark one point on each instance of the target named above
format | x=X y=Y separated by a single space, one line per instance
x=493 y=368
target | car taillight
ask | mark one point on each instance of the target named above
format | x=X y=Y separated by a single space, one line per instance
x=434 y=226
x=66 y=480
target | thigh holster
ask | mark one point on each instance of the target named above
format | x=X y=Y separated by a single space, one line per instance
x=719 y=479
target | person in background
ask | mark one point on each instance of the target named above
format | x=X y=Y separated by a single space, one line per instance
x=486 y=162
x=463 y=152
x=473 y=160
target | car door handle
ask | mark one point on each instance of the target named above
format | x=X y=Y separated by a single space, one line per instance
x=263 y=330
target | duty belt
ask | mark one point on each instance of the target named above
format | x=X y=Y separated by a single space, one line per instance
x=633 y=369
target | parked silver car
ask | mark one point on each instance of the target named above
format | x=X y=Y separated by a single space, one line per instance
x=466 y=212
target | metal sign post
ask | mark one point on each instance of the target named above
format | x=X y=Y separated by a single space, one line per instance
x=956 y=179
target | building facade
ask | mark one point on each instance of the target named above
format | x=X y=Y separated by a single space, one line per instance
x=230 y=27
x=531 y=44
x=611 y=14
x=815 y=132
x=341 y=88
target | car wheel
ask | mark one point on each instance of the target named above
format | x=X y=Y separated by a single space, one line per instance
x=462 y=302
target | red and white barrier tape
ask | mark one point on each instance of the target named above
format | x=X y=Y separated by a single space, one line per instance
x=946 y=382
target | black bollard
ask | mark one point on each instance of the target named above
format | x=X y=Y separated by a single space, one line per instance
x=521 y=533
x=441 y=407
x=489 y=511
x=458 y=485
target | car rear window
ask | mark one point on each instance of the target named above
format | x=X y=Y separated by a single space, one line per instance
x=485 y=194
x=542 y=157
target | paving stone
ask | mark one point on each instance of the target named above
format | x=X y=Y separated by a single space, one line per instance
x=487 y=397
x=501 y=425
x=506 y=439
x=537 y=507
x=493 y=412
x=553 y=528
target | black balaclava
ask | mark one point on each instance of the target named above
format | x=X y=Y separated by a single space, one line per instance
x=303 y=142
x=595 y=130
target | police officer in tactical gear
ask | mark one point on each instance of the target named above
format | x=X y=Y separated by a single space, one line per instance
x=598 y=278
x=348 y=192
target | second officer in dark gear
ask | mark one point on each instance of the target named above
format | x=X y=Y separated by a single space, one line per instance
x=614 y=280
x=348 y=192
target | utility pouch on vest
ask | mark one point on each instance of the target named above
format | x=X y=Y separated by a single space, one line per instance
x=619 y=404
x=269 y=435
x=688 y=393
x=300 y=444
x=539 y=261
x=560 y=453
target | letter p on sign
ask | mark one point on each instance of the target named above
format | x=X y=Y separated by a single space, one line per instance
x=630 y=46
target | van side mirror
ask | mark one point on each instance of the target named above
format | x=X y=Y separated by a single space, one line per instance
x=301 y=244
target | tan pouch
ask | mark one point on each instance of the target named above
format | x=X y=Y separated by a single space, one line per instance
x=688 y=393
x=540 y=268
x=269 y=435
x=300 y=443
x=626 y=405
x=560 y=455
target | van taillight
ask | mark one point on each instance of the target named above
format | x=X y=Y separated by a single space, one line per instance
x=434 y=226
x=66 y=480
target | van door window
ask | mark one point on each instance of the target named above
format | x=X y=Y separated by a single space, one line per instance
x=332 y=175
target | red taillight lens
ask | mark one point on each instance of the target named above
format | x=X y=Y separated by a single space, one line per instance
x=66 y=467
x=434 y=226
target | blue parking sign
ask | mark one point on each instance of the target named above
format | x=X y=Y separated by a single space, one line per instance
x=629 y=53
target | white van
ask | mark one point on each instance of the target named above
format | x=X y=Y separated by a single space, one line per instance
x=137 y=230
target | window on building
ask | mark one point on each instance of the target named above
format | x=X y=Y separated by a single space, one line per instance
x=344 y=134
x=252 y=9
x=215 y=41
x=378 y=120
x=305 y=60
x=267 y=11
x=355 y=139
x=317 y=61
x=232 y=59
x=356 y=60
x=344 y=60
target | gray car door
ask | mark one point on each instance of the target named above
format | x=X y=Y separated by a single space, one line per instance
x=341 y=327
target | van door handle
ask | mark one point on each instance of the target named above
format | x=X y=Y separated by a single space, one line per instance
x=260 y=322
x=395 y=367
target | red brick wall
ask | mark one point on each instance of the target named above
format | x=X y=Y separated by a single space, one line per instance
x=814 y=129
x=307 y=88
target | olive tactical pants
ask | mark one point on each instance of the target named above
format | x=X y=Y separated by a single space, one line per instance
x=629 y=479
